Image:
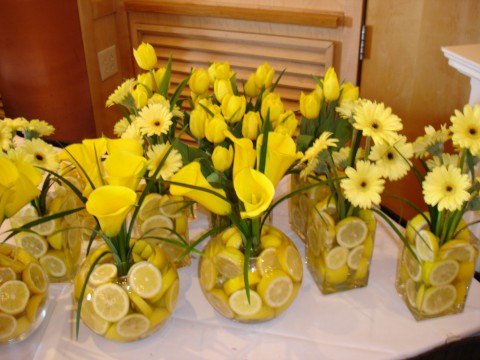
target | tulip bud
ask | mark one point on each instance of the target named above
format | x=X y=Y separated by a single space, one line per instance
x=319 y=92
x=215 y=129
x=349 y=92
x=287 y=123
x=309 y=105
x=250 y=88
x=199 y=81
x=251 y=125
x=233 y=107
x=198 y=119
x=146 y=80
x=222 y=158
x=272 y=103
x=159 y=74
x=331 y=88
x=145 y=56
x=219 y=71
x=140 y=96
x=222 y=87
x=264 y=76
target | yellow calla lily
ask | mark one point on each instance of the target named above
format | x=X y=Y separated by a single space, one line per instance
x=281 y=154
x=110 y=204
x=191 y=174
x=244 y=156
x=255 y=190
x=121 y=145
x=125 y=169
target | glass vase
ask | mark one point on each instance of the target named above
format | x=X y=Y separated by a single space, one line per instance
x=23 y=294
x=434 y=280
x=131 y=307
x=275 y=274
x=338 y=253
x=301 y=204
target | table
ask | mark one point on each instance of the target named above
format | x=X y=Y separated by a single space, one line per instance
x=367 y=323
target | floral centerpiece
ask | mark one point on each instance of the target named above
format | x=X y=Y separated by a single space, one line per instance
x=153 y=118
x=250 y=271
x=23 y=281
x=341 y=225
x=438 y=261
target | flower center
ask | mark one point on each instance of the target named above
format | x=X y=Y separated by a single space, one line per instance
x=39 y=157
x=157 y=123
x=363 y=184
x=473 y=131
x=390 y=156
x=375 y=125
x=449 y=188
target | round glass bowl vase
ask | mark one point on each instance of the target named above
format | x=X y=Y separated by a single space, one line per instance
x=275 y=274
x=433 y=280
x=131 y=307
x=23 y=294
x=338 y=253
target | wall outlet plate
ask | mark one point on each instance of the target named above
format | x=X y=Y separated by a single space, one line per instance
x=107 y=62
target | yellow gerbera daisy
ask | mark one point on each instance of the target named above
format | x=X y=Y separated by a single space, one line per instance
x=154 y=119
x=309 y=168
x=5 y=136
x=377 y=121
x=363 y=185
x=445 y=159
x=121 y=126
x=432 y=142
x=322 y=143
x=393 y=160
x=38 y=128
x=121 y=92
x=44 y=155
x=466 y=128
x=172 y=164
x=133 y=132
x=446 y=187
x=16 y=124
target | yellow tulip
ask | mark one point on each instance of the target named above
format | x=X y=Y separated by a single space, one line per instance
x=222 y=87
x=215 y=129
x=309 y=105
x=233 y=107
x=199 y=81
x=159 y=74
x=272 y=103
x=124 y=169
x=349 y=92
x=255 y=190
x=140 y=96
x=191 y=174
x=145 y=79
x=110 y=204
x=264 y=76
x=331 y=87
x=198 y=119
x=250 y=88
x=251 y=125
x=145 y=56
x=132 y=146
x=222 y=158
x=219 y=71
x=21 y=194
x=287 y=123
x=281 y=154
x=245 y=154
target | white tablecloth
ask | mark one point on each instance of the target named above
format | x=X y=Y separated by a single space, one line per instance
x=367 y=323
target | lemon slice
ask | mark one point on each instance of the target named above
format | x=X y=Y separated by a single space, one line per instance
x=94 y=322
x=208 y=274
x=158 y=317
x=297 y=218
x=275 y=288
x=140 y=304
x=56 y=240
x=354 y=257
x=291 y=261
x=271 y=240
x=150 y=206
x=145 y=279
x=328 y=205
x=415 y=225
x=133 y=326
x=237 y=283
x=219 y=301
x=336 y=257
x=36 y=245
x=414 y=269
x=6 y=273
x=103 y=273
x=351 y=232
x=426 y=244
x=171 y=296
x=437 y=299
x=325 y=226
x=157 y=226
x=411 y=292
x=238 y=302
x=14 y=295
x=362 y=269
x=110 y=302
x=459 y=250
x=172 y=206
x=337 y=276
x=234 y=240
x=35 y=278
x=54 y=265
x=441 y=272
x=34 y=305
x=229 y=262
x=368 y=216
x=45 y=228
x=313 y=241
x=466 y=271
x=267 y=261
x=8 y=324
